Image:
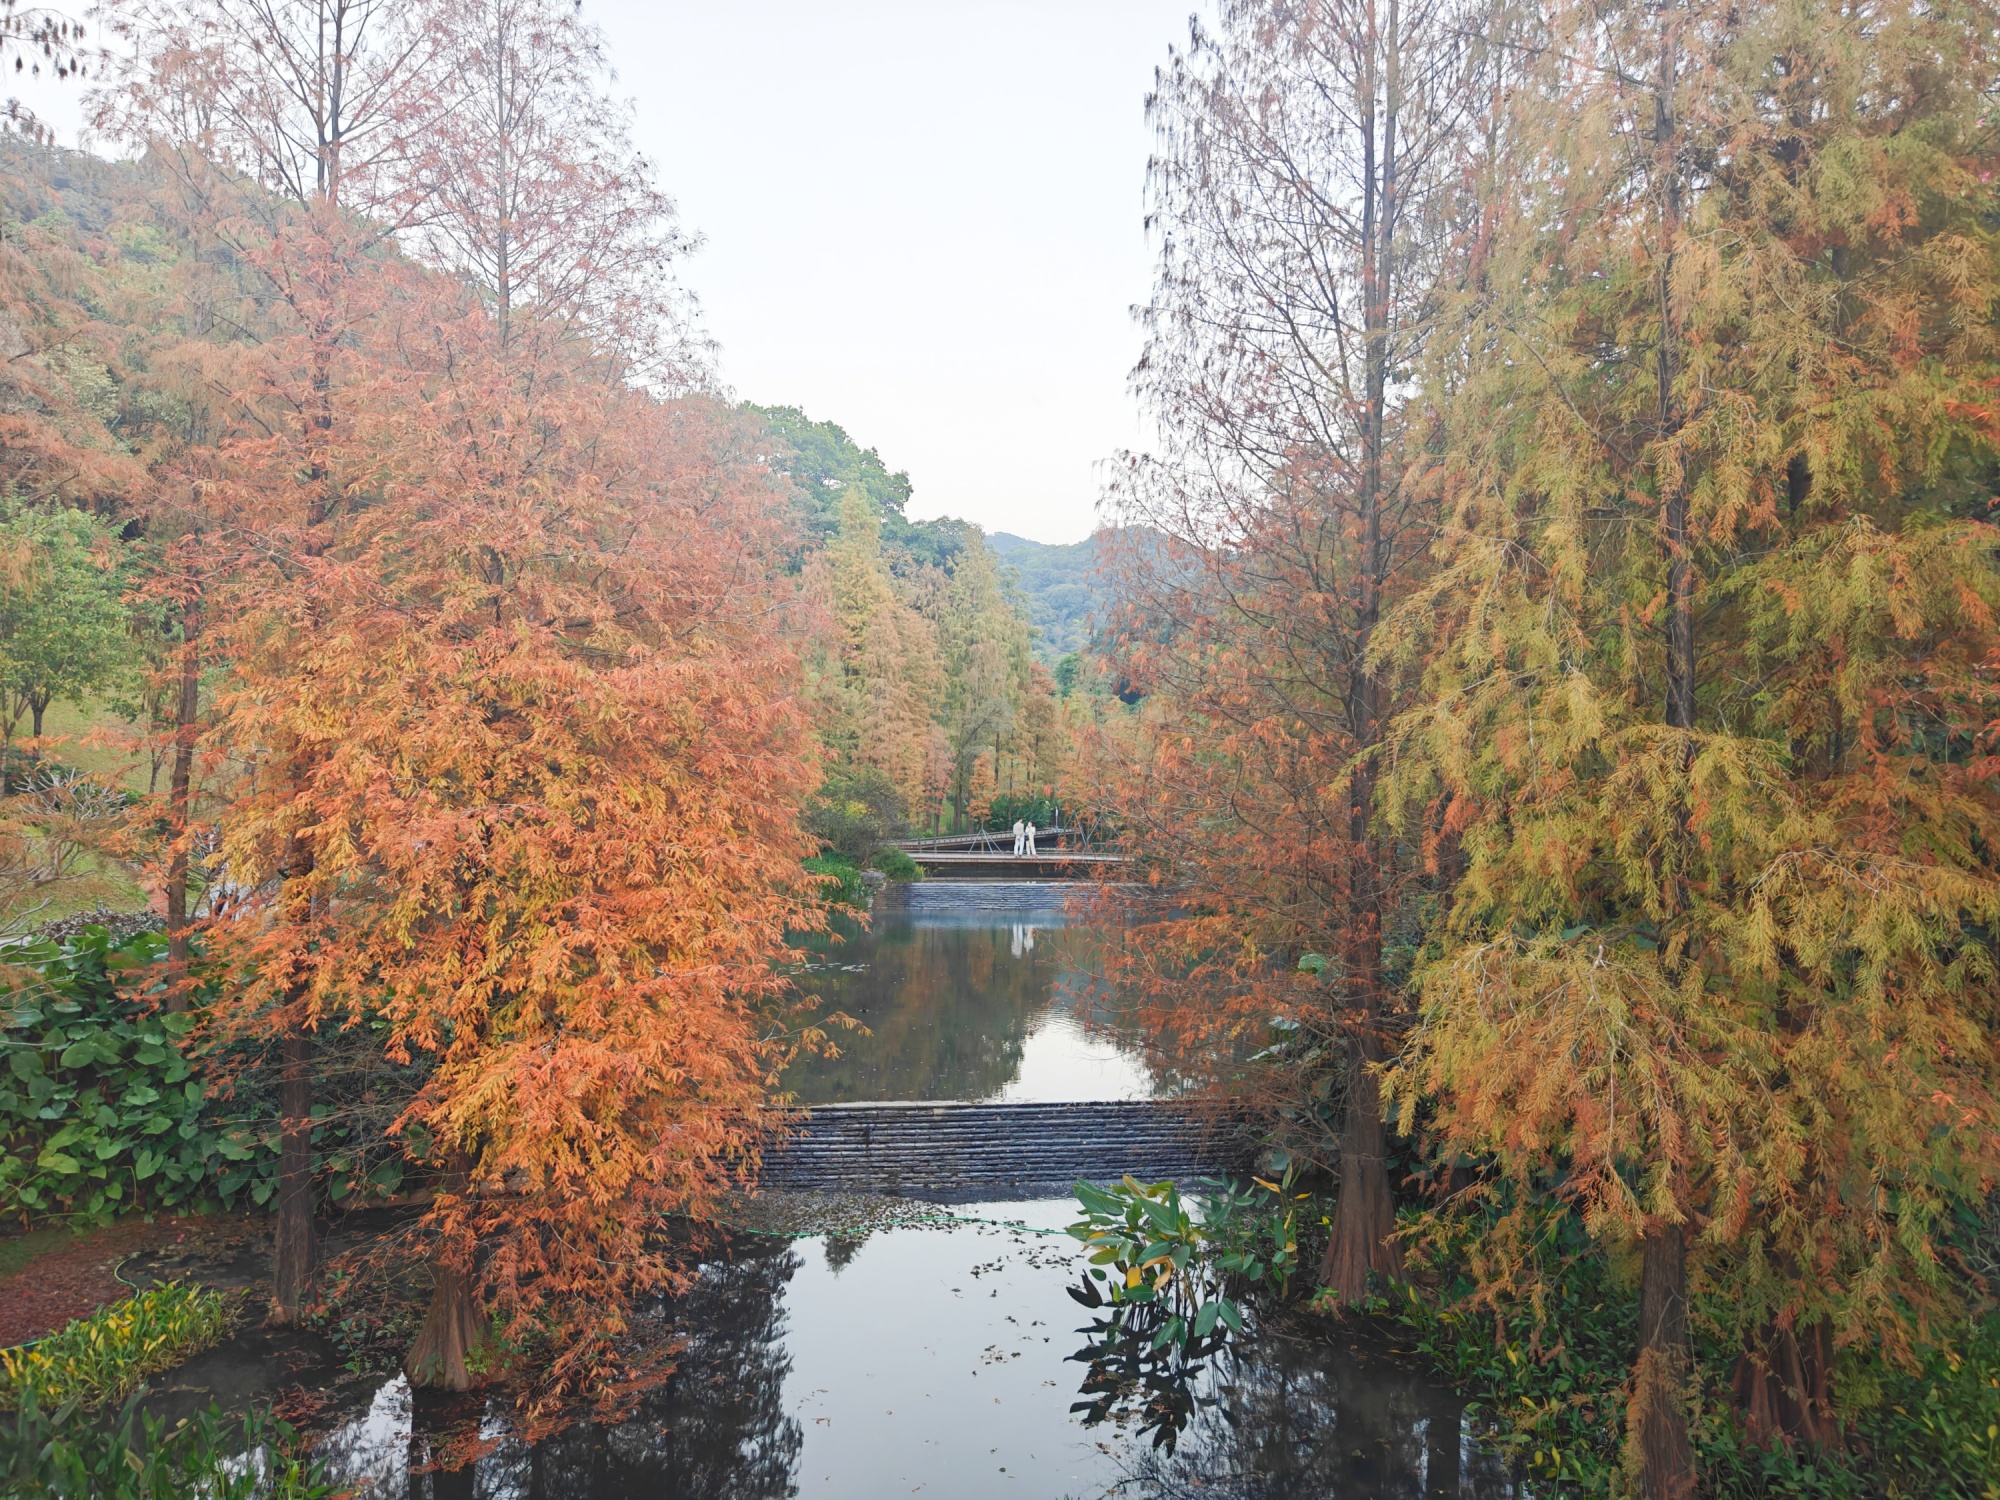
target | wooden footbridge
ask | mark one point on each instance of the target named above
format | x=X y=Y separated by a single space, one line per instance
x=1060 y=853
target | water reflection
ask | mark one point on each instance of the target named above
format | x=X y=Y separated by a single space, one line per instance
x=988 y=1001
x=717 y=1429
x=933 y=1360
x=1296 y=1416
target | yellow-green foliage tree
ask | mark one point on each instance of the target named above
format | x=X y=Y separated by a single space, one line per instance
x=880 y=680
x=986 y=663
x=1706 y=755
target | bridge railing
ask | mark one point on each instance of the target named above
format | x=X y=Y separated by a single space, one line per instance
x=983 y=841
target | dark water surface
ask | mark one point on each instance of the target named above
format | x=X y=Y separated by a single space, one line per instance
x=887 y=1348
x=934 y=1360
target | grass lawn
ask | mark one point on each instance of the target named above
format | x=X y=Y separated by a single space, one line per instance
x=94 y=739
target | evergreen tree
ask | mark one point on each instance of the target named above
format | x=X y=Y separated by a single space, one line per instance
x=984 y=640
x=1311 y=164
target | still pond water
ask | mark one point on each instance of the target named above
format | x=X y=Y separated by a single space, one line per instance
x=864 y=1348
x=969 y=990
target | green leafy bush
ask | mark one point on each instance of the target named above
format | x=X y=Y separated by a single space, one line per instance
x=843 y=883
x=65 y=1455
x=1160 y=1312
x=101 y=1111
x=1146 y=1248
x=1147 y=1245
x=105 y=1109
x=1161 y=1284
x=102 y=1357
x=896 y=864
x=856 y=810
x=1937 y=1432
x=1548 y=1372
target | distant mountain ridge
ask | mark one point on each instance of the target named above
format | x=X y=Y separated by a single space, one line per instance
x=1059 y=586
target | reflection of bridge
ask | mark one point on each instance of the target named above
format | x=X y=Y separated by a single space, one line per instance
x=1058 y=852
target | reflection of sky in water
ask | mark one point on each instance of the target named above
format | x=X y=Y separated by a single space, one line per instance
x=1061 y=1062
x=933 y=1361
x=995 y=1002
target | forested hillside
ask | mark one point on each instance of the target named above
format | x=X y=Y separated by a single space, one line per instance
x=932 y=706
x=1060 y=588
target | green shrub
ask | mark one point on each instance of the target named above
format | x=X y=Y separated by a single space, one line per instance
x=1549 y=1375
x=843 y=883
x=101 y=1358
x=1937 y=1432
x=1552 y=1385
x=106 y=1110
x=855 y=810
x=100 y=1108
x=65 y=1455
x=896 y=864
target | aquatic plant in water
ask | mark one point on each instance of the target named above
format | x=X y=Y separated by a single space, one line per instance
x=65 y=1454
x=1161 y=1278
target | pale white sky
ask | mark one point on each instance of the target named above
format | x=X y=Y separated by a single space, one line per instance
x=923 y=221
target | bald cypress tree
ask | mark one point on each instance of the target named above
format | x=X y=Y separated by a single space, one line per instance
x=1708 y=714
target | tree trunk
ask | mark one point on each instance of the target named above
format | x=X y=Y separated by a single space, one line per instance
x=1784 y=1385
x=36 y=708
x=292 y=1261
x=451 y=1327
x=178 y=803
x=293 y=1266
x=1657 y=1448
x=1364 y=1219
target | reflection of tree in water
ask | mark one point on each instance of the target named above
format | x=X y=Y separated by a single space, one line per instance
x=842 y=1248
x=948 y=1008
x=715 y=1430
x=1306 y=1418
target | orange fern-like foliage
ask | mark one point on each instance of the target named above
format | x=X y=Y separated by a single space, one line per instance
x=523 y=762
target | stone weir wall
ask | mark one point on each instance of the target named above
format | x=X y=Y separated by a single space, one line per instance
x=950 y=1152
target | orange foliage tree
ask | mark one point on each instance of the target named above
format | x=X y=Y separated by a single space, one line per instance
x=523 y=712
x=511 y=724
x=1306 y=184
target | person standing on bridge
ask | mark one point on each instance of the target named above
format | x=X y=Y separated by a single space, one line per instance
x=1018 y=838
x=1031 y=839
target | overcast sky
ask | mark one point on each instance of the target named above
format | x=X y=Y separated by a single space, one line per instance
x=923 y=221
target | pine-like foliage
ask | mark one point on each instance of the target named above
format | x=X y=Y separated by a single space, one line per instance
x=524 y=757
x=1313 y=157
x=1710 y=707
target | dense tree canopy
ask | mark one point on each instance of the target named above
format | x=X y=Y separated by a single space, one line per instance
x=1649 y=675
x=498 y=678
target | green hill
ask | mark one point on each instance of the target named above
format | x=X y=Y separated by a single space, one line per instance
x=1059 y=586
